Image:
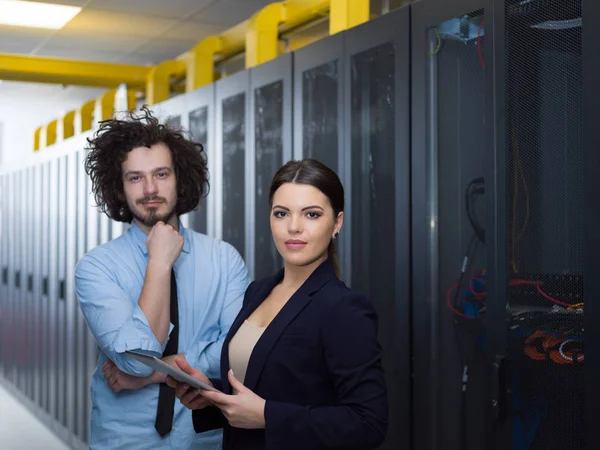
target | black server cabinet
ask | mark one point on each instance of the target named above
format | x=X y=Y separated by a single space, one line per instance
x=377 y=180
x=200 y=106
x=45 y=364
x=270 y=146
x=230 y=165
x=448 y=213
x=36 y=305
x=536 y=224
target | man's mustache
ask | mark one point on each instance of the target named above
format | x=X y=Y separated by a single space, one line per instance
x=152 y=198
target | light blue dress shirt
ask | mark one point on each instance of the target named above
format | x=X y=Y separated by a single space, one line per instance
x=211 y=281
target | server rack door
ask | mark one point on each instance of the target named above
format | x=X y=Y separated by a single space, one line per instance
x=377 y=181
x=318 y=97
x=4 y=242
x=201 y=125
x=82 y=333
x=10 y=313
x=45 y=288
x=448 y=138
x=18 y=297
x=231 y=170
x=29 y=350
x=61 y=291
x=70 y=302
x=173 y=113
x=539 y=241
x=270 y=145
x=36 y=306
x=53 y=297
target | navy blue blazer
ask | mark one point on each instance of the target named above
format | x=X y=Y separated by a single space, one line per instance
x=317 y=365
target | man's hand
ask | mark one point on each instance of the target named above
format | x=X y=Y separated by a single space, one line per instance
x=189 y=397
x=164 y=244
x=119 y=381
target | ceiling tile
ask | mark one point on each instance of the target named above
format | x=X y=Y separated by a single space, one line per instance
x=80 y=54
x=95 y=42
x=193 y=32
x=176 y=9
x=108 y=22
x=229 y=12
x=22 y=40
x=162 y=46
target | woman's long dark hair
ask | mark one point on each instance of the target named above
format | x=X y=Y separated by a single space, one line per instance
x=316 y=174
x=114 y=139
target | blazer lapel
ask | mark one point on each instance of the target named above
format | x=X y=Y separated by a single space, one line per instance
x=290 y=310
x=257 y=297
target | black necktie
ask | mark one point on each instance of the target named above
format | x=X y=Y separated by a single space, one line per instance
x=166 y=395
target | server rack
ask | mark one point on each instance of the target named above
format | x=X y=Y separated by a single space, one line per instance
x=270 y=146
x=231 y=170
x=36 y=302
x=448 y=135
x=4 y=263
x=538 y=225
x=200 y=105
x=377 y=181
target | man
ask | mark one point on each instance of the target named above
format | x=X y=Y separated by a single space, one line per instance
x=159 y=289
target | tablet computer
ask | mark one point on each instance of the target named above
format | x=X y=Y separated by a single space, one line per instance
x=173 y=372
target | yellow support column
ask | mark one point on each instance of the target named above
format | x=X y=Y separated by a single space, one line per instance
x=87 y=115
x=263 y=34
x=346 y=14
x=131 y=99
x=157 y=83
x=201 y=63
x=68 y=122
x=37 y=139
x=51 y=133
x=105 y=105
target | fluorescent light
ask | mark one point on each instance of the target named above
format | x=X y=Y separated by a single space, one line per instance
x=36 y=15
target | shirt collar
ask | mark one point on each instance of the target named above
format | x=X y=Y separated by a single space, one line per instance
x=139 y=237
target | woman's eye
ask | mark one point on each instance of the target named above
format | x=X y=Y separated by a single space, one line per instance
x=162 y=174
x=134 y=178
x=313 y=215
x=279 y=214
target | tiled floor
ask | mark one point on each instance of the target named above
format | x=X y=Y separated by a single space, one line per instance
x=20 y=430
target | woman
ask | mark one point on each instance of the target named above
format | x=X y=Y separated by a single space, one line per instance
x=301 y=365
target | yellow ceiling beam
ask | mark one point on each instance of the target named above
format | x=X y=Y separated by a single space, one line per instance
x=63 y=71
x=37 y=137
x=68 y=123
x=51 y=129
x=264 y=26
x=346 y=14
x=86 y=113
x=159 y=79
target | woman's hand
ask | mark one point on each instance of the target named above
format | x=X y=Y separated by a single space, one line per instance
x=243 y=410
x=189 y=397
x=119 y=380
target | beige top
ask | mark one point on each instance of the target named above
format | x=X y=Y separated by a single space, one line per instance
x=241 y=346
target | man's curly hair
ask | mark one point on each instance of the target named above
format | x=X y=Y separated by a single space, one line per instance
x=115 y=138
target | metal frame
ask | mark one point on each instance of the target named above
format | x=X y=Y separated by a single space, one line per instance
x=28 y=310
x=61 y=294
x=45 y=284
x=205 y=97
x=591 y=142
x=280 y=69
x=425 y=277
x=225 y=88
x=499 y=432
x=395 y=28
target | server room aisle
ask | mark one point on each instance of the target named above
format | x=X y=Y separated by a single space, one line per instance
x=21 y=430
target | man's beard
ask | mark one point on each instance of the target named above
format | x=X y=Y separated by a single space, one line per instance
x=152 y=217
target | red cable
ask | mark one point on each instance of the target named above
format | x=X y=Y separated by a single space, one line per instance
x=479 y=53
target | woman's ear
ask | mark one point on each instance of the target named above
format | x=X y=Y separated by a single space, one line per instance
x=337 y=226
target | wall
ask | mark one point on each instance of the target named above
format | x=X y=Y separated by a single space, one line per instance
x=26 y=106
